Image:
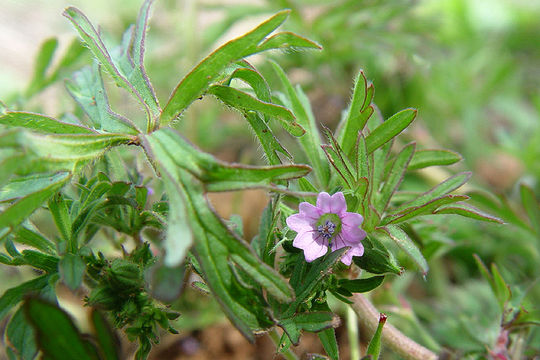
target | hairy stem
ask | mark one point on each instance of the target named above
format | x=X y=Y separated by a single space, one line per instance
x=392 y=337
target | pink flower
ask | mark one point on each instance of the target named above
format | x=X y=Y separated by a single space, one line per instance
x=327 y=225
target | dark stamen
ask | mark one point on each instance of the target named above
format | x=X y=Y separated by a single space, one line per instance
x=327 y=229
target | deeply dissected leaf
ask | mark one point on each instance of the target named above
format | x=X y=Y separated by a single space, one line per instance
x=125 y=66
x=24 y=207
x=358 y=113
x=310 y=141
x=395 y=176
x=389 y=129
x=173 y=152
x=397 y=235
x=245 y=102
x=425 y=209
x=86 y=87
x=56 y=335
x=425 y=158
x=41 y=123
x=447 y=186
x=468 y=211
x=208 y=70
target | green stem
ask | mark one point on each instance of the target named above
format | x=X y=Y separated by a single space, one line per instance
x=287 y=354
x=352 y=333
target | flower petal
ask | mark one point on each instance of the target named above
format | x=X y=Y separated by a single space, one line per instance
x=357 y=250
x=299 y=223
x=309 y=211
x=338 y=203
x=353 y=220
x=312 y=244
x=334 y=204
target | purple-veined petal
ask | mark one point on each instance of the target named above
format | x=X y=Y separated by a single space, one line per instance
x=317 y=249
x=338 y=204
x=352 y=235
x=352 y=220
x=357 y=250
x=324 y=202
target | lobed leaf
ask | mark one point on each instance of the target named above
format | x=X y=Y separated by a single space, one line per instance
x=398 y=236
x=126 y=71
x=449 y=185
x=395 y=176
x=389 y=129
x=358 y=113
x=468 y=211
x=209 y=69
x=244 y=102
x=428 y=208
x=86 y=87
x=41 y=123
x=174 y=152
x=425 y=158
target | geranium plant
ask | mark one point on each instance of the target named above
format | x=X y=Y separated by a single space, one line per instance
x=334 y=227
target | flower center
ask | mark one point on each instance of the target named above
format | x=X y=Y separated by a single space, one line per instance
x=328 y=226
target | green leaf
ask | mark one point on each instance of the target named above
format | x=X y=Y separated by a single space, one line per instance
x=358 y=113
x=309 y=321
x=209 y=69
x=49 y=263
x=319 y=269
x=72 y=268
x=109 y=343
x=56 y=335
x=215 y=247
x=126 y=70
x=242 y=101
x=173 y=152
x=27 y=185
x=425 y=158
x=329 y=342
x=361 y=285
x=34 y=239
x=179 y=234
x=86 y=87
x=399 y=237
x=24 y=207
x=21 y=336
x=41 y=123
x=468 y=211
x=531 y=205
x=377 y=260
x=14 y=295
x=500 y=288
x=395 y=176
x=287 y=40
x=447 y=186
x=428 y=208
x=58 y=206
x=310 y=141
x=339 y=160
x=389 y=129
